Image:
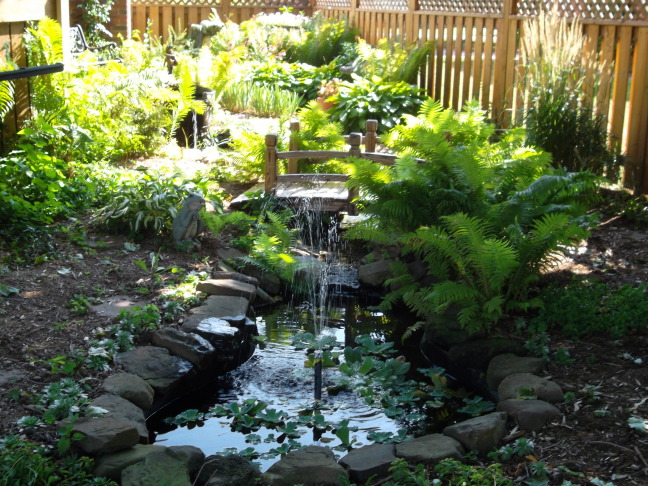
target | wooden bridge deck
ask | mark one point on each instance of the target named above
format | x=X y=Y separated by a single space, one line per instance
x=318 y=192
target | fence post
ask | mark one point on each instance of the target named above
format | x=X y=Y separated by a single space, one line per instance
x=270 y=163
x=294 y=131
x=370 y=138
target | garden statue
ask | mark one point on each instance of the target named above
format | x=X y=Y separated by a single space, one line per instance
x=187 y=224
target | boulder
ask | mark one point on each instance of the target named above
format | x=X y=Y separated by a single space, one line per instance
x=227 y=287
x=131 y=387
x=224 y=275
x=429 y=449
x=157 y=367
x=121 y=409
x=507 y=364
x=103 y=435
x=190 y=346
x=368 y=461
x=478 y=353
x=481 y=434
x=310 y=466
x=228 y=471
x=523 y=383
x=530 y=415
x=160 y=467
x=111 y=465
x=374 y=274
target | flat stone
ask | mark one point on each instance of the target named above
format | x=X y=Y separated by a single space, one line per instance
x=9 y=376
x=368 y=461
x=111 y=465
x=375 y=274
x=429 y=449
x=222 y=306
x=481 y=434
x=103 y=435
x=479 y=352
x=159 y=468
x=507 y=364
x=188 y=345
x=310 y=466
x=114 y=305
x=530 y=415
x=229 y=253
x=131 y=387
x=121 y=409
x=156 y=366
x=228 y=287
x=235 y=276
x=543 y=389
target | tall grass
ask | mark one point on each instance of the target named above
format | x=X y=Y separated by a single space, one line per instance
x=558 y=116
x=265 y=101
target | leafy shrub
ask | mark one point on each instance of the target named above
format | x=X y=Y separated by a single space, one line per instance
x=362 y=99
x=455 y=473
x=147 y=203
x=391 y=61
x=586 y=307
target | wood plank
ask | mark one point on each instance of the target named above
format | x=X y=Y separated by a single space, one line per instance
x=467 y=61
x=509 y=82
x=167 y=20
x=139 y=19
x=486 y=86
x=447 y=51
x=477 y=58
x=638 y=119
x=154 y=16
x=605 y=69
x=438 y=82
x=21 y=86
x=9 y=126
x=621 y=71
x=591 y=63
x=428 y=25
x=193 y=14
x=456 y=74
x=499 y=78
x=311 y=178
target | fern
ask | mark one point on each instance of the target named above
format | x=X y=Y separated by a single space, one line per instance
x=186 y=102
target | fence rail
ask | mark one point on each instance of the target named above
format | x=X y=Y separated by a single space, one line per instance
x=477 y=52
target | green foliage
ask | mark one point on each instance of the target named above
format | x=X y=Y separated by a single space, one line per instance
x=147 y=203
x=585 y=307
x=186 y=100
x=95 y=16
x=323 y=41
x=6 y=89
x=362 y=99
x=391 y=61
x=265 y=101
x=22 y=462
x=455 y=473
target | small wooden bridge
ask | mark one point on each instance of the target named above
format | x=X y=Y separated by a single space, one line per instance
x=324 y=192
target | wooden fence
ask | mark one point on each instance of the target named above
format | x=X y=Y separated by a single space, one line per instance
x=477 y=49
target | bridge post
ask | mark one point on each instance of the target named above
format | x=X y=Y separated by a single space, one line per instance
x=270 y=163
x=355 y=139
x=294 y=130
x=371 y=137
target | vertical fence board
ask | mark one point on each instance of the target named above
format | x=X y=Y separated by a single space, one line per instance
x=486 y=86
x=621 y=72
x=192 y=16
x=468 y=56
x=167 y=20
x=477 y=57
x=591 y=54
x=139 y=19
x=10 y=123
x=456 y=69
x=606 y=62
x=638 y=119
x=448 y=37
x=438 y=82
x=154 y=16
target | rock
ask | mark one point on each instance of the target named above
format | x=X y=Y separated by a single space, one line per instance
x=368 y=461
x=192 y=457
x=543 y=389
x=103 y=435
x=156 y=366
x=530 y=415
x=228 y=287
x=115 y=304
x=374 y=274
x=269 y=282
x=111 y=465
x=131 y=387
x=163 y=467
x=310 y=466
x=235 y=276
x=228 y=471
x=507 y=364
x=121 y=409
x=480 y=434
x=229 y=253
x=429 y=449
x=222 y=305
x=192 y=347
x=478 y=353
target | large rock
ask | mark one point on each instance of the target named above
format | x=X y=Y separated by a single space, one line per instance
x=131 y=387
x=192 y=347
x=169 y=467
x=481 y=434
x=228 y=471
x=478 y=353
x=111 y=465
x=223 y=275
x=368 y=461
x=230 y=287
x=518 y=384
x=121 y=409
x=507 y=364
x=530 y=415
x=103 y=435
x=310 y=466
x=374 y=274
x=222 y=306
x=157 y=367
x=429 y=449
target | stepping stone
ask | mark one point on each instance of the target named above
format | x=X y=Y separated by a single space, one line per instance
x=429 y=449
x=222 y=306
x=114 y=305
x=190 y=346
x=230 y=287
x=121 y=409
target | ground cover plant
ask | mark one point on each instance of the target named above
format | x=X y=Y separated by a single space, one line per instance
x=504 y=210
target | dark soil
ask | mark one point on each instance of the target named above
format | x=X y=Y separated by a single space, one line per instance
x=38 y=324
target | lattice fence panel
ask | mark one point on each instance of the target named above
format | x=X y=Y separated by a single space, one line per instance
x=332 y=4
x=177 y=3
x=462 y=6
x=298 y=4
x=590 y=9
x=384 y=5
